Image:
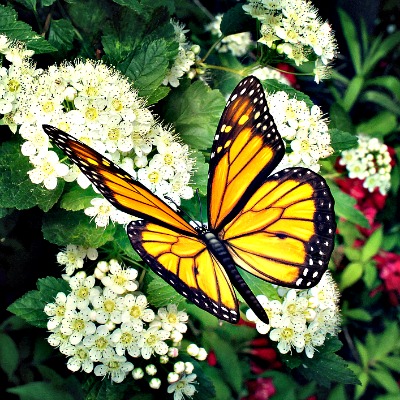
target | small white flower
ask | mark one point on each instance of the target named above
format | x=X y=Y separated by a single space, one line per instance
x=82 y=289
x=155 y=383
x=172 y=319
x=114 y=366
x=152 y=341
x=80 y=360
x=135 y=311
x=193 y=349
x=77 y=325
x=202 y=354
x=125 y=339
x=72 y=257
x=183 y=387
x=151 y=369
x=98 y=343
x=57 y=310
x=107 y=306
x=120 y=280
x=47 y=169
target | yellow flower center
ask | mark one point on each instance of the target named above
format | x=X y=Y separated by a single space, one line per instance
x=83 y=292
x=135 y=312
x=13 y=85
x=101 y=343
x=78 y=324
x=48 y=107
x=82 y=354
x=172 y=318
x=305 y=145
x=91 y=113
x=154 y=177
x=91 y=91
x=60 y=311
x=114 y=134
x=120 y=280
x=287 y=333
x=48 y=168
x=126 y=338
x=117 y=105
x=152 y=340
x=168 y=159
x=109 y=306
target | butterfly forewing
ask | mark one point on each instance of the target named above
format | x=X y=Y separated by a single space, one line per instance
x=186 y=264
x=285 y=231
x=246 y=147
x=117 y=186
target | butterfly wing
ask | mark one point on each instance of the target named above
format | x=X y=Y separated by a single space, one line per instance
x=285 y=232
x=117 y=186
x=187 y=265
x=171 y=247
x=246 y=148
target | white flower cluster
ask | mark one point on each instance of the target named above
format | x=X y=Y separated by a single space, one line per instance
x=294 y=28
x=237 y=44
x=370 y=162
x=98 y=106
x=303 y=129
x=301 y=319
x=186 y=57
x=103 y=327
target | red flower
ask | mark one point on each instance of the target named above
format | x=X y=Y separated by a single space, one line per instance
x=260 y=389
x=389 y=271
x=368 y=203
x=263 y=356
x=212 y=359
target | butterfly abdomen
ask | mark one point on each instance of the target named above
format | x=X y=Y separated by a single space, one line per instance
x=219 y=250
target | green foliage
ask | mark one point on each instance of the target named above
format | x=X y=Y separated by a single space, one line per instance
x=61 y=36
x=62 y=227
x=14 y=29
x=195 y=109
x=30 y=306
x=16 y=189
x=235 y=20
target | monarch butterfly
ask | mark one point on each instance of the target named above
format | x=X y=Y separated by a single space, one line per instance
x=278 y=227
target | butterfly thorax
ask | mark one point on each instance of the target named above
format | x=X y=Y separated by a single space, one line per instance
x=217 y=248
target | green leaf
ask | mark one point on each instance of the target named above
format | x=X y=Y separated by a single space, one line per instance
x=235 y=20
x=364 y=380
x=352 y=92
x=146 y=7
x=122 y=244
x=65 y=227
x=30 y=306
x=341 y=140
x=259 y=286
x=372 y=245
x=147 y=67
x=370 y=275
x=390 y=83
x=340 y=119
x=19 y=30
x=227 y=358
x=344 y=206
x=40 y=391
x=382 y=100
x=222 y=390
x=358 y=314
x=388 y=341
x=160 y=293
x=16 y=189
x=200 y=175
x=392 y=362
x=195 y=111
x=61 y=35
x=362 y=352
x=29 y=4
x=386 y=380
x=350 y=33
x=104 y=389
x=76 y=198
x=326 y=367
x=351 y=274
x=384 y=48
x=9 y=356
x=272 y=86
x=379 y=125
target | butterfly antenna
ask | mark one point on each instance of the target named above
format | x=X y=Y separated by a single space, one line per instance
x=181 y=211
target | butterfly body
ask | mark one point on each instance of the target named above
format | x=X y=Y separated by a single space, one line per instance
x=278 y=226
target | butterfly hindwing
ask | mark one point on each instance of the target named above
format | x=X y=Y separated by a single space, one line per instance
x=186 y=264
x=247 y=146
x=118 y=187
x=285 y=232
